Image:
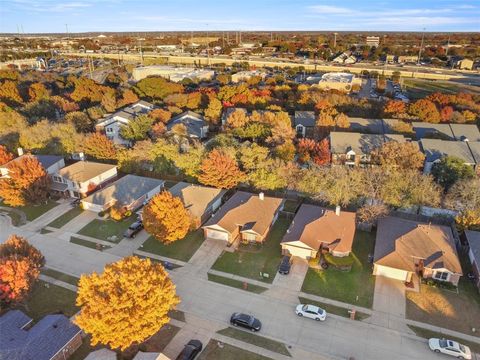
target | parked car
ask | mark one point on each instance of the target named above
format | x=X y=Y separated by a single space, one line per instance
x=133 y=229
x=246 y=321
x=311 y=311
x=450 y=347
x=285 y=265
x=191 y=350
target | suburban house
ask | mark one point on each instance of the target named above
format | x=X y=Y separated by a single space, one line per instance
x=195 y=124
x=473 y=240
x=228 y=111
x=129 y=192
x=366 y=126
x=435 y=150
x=54 y=337
x=83 y=177
x=475 y=149
x=113 y=123
x=200 y=201
x=51 y=163
x=246 y=216
x=354 y=149
x=465 y=132
x=317 y=229
x=304 y=122
x=424 y=130
x=405 y=247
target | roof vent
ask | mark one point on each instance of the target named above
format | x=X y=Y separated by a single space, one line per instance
x=20 y=151
x=261 y=196
x=337 y=210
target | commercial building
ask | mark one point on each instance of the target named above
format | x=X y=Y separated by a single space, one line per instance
x=172 y=73
x=246 y=75
x=338 y=81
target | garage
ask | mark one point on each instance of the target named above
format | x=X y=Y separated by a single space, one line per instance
x=301 y=252
x=86 y=205
x=391 y=273
x=216 y=234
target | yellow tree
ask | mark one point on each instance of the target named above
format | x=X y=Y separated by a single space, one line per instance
x=166 y=218
x=126 y=304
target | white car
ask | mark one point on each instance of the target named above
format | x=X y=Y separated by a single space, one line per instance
x=311 y=311
x=450 y=347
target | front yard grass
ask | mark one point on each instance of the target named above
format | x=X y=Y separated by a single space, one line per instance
x=45 y=300
x=34 y=211
x=256 y=340
x=73 y=280
x=89 y=244
x=236 y=283
x=65 y=218
x=181 y=249
x=216 y=350
x=427 y=334
x=250 y=260
x=108 y=230
x=353 y=287
x=333 y=309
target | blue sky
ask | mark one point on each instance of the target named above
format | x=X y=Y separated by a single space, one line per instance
x=179 y=15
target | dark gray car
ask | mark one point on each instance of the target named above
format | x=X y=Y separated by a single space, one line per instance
x=246 y=321
x=133 y=229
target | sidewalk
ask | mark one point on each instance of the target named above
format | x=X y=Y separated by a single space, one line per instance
x=49 y=216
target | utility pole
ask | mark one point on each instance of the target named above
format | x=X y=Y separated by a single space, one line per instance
x=66 y=29
x=335 y=40
x=448 y=45
x=421 y=47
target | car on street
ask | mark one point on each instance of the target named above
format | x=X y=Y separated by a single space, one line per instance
x=311 y=312
x=133 y=229
x=246 y=321
x=191 y=350
x=285 y=265
x=450 y=347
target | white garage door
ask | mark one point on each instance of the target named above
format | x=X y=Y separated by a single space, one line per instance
x=91 y=207
x=215 y=234
x=296 y=251
x=391 y=272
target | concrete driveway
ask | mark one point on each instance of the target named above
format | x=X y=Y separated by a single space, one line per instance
x=294 y=280
x=389 y=296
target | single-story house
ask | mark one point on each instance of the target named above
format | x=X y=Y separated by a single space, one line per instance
x=195 y=124
x=435 y=150
x=304 y=122
x=366 y=126
x=465 y=132
x=245 y=215
x=317 y=229
x=354 y=149
x=129 y=193
x=54 y=337
x=473 y=240
x=405 y=247
x=81 y=178
x=51 y=163
x=112 y=124
x=200 y=201
x=424 y=130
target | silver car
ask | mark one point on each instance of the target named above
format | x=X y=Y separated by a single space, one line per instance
x=450 y=347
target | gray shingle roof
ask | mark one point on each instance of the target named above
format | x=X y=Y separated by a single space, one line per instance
x=40 y=342
x=45 y=160
x=305 y=118
x=192 y=121
x=475 y=149
x=343 y=142
x=367 y=126
x=124 y=191
x=428 y=130
x=435 y=149
x=465 y=132
x=473 y=239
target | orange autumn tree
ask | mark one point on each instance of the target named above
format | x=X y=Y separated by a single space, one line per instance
x=166 y=218
x=99 y=147
x=27 y=182
x=20 y=265
x=220 y=170
x=5 y=155
x=126 y=304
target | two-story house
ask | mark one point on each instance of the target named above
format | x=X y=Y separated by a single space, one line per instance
x=195 y=124
x=51 y=163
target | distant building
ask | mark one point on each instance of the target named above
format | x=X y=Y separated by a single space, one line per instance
x=246 y=75
x=172 y=73
x=407 y=59
x=464 y=64
x=304 y=122
x=372 y=41
x=338 y=81
x=345 y=58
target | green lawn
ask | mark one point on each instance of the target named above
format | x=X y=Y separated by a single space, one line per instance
x=214 y=351
x=60 y=276
x=107 y=229
x=256 y=340
x=427 y=334
x=236 y=283
x=181 y=249
x=333 y=309
x=34 y=211
x=249 y=260
x=87 y=243
x=65 y=218
x=347 y=286
x=417 y=88
x=48 y=300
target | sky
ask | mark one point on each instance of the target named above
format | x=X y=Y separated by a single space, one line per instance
x=270 y=15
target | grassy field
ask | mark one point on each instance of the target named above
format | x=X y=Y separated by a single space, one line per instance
x=333 y=309
x=60 y=276
x=427 y=334
x=65 y=218
x=214 y=351
x=354 y=287
x=107 y=229
x=417 y=88
x=34 y=211
x=49 y=300
x=86 y=243
x=249 y=260
x=236 y=283
x=256 y=340
x=181 y=249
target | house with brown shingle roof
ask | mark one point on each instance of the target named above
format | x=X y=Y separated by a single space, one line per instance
x=317 y=229
x=406 y=247
x=245 y=215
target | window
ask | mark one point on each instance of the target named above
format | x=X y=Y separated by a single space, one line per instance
x=249 y=237
x=109 y=130
x=441 y=275
x=57 y=179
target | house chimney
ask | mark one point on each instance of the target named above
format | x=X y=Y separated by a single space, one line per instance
x=261 y=196
x=20 y=151
x=81 y=156
x=337 y=210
